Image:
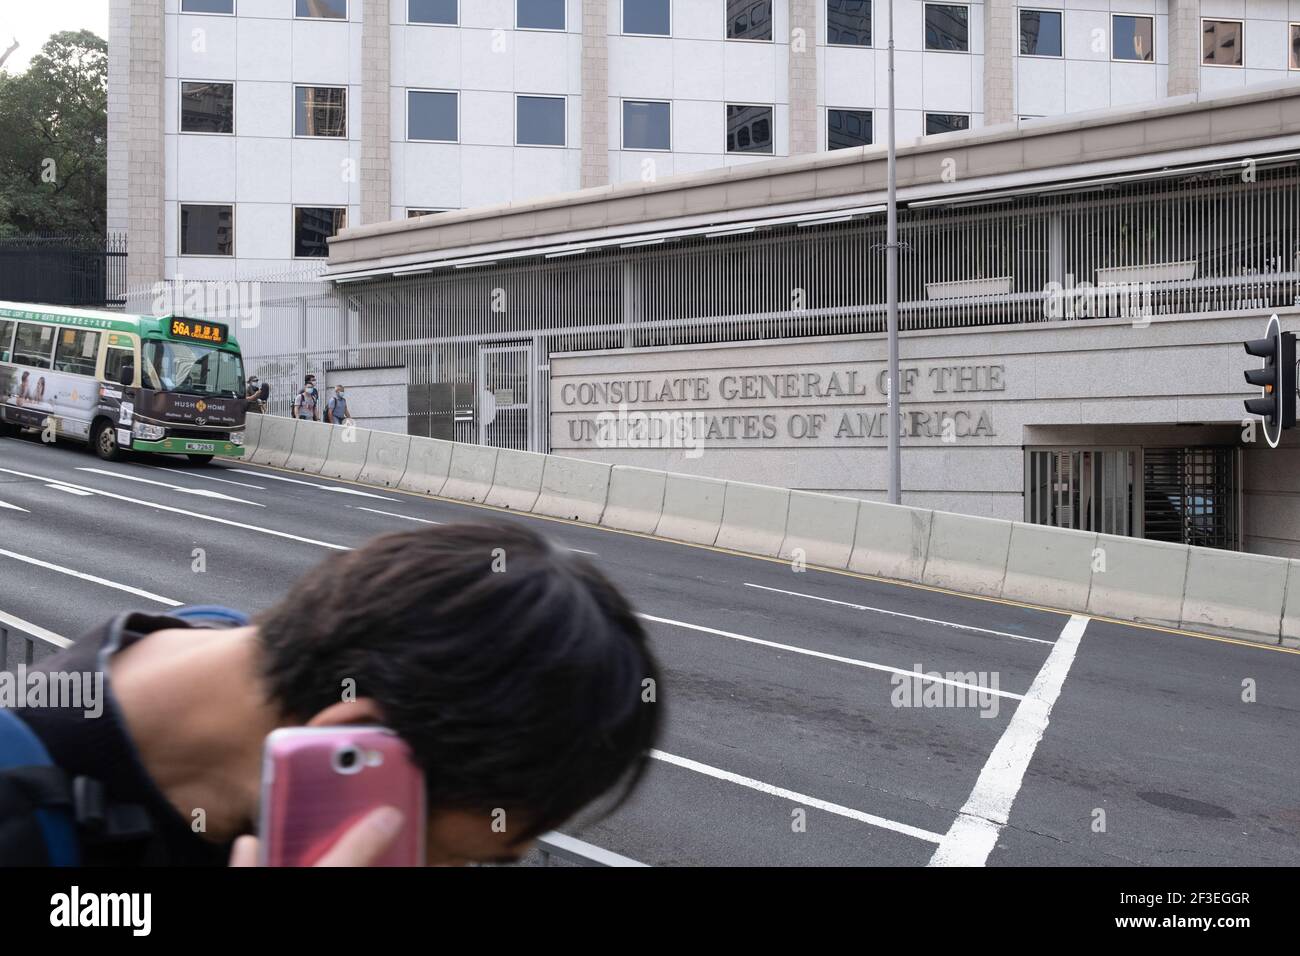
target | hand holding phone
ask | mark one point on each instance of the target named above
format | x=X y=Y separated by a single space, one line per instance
x=318 y=783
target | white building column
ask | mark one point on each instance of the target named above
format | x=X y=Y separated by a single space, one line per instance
x=119 y=116
x=803 y=77
x=1184 y=47
x=1000 y=48
x=595 y=93
x=147 y=174
x=376 y=123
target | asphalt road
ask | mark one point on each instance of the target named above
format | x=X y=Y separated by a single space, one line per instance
x=784 y=743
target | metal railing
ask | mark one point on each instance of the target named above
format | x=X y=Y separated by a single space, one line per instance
x=83 y=271
x=24 y=638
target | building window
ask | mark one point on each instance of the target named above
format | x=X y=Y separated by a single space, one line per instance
x=1040 y=33
x=1133 y=38
x=539 y=14
x=848 y=128
x=651 y=18
x=77 y=353
x=442 y=12
x=207 y=107
x=207 y=230
x=1294 y=60
x=1221 y=42
x=647 y=125
x=321 y=9
x=749 y=129
x=947 y=27
x=539 y=120
x=208 y=6
x=320 y=111
x=417 y=213
x=848 y=22
x=432 y=116
x=312 y=227
x=946 y=123
x=749 y=20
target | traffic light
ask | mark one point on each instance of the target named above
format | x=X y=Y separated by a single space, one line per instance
x=1277 y=378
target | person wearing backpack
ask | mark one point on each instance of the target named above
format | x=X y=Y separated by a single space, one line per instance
x=518 y=694
x=306 y=402
x=336 y=409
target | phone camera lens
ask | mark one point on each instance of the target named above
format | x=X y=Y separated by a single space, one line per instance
x=347 y=760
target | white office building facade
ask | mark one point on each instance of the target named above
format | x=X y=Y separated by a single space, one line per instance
x=244 y=132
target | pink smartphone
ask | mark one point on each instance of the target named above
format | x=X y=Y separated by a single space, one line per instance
x=319 y=781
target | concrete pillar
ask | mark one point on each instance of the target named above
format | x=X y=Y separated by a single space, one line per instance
x=119 y=116
x=595 y=93
x=376 y=137
x=1184 y=47
x=1001 y=46
x=803 y=77
x=145 y=258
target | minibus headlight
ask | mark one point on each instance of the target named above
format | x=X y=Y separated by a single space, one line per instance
x=148 y=432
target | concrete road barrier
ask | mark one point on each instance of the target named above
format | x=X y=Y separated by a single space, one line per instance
x=753 y=518
x=1234 y=593
x=692 y=508
x=820 y=528
x=385 y=459
x=517 y=481
x=636 y=499
x=470 y=475
x=427 y=463
x=573 y=488
x=891 y=541
x=1291 y=613
x=967 y=553
x=311 y=442
x=1139 y=580
x=252 y=434
x=347 y=452
x=275 y=442
x=1049 y=566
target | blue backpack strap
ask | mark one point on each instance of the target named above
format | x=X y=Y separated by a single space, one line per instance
x=211 y=615
x=24 y=758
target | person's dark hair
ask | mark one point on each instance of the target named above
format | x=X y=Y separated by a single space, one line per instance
x=512 y=668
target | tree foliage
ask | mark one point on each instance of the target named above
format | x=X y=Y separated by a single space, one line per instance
x=53 y=140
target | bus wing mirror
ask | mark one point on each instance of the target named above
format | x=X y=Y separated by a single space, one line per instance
x=126 y=376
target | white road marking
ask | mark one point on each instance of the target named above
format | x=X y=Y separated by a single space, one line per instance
x=580 y=551
x=5 y=504
x=200 y=492
x=914 y=674
x=138 y=592
x=795 y=797
x=311 y=484
x=974 y=833
x=390 y=514
x=206 y=477
x=34 y=630
x=881 y=610
x=71 y=489
x=191 y=514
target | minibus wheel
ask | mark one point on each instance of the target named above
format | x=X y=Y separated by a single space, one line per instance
x=105 y=442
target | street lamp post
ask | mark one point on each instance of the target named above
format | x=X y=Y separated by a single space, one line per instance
x=891 y=292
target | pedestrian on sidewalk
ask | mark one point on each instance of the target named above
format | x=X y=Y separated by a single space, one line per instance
x=336 y=409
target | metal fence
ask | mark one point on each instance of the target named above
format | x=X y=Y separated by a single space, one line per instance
x=475 y=343
x=23 y=642
x=81 y=271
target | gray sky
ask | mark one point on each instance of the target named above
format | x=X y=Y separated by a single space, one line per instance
x=31 y=22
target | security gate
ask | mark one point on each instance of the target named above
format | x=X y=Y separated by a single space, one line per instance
x=1191 y=496
x=504 y=396
x=1089 y=489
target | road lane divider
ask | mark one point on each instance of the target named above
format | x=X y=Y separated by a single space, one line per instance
x=917 y=675
x=911 y=617
x=386 y=458
x=189 y=514
x=516 y=480
x=197 y=492
x=974 y=833
x=91 y=578
x=8 y=507
x=753 y=518
x=311 y=442
x=801 y=799
x=346 y=455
